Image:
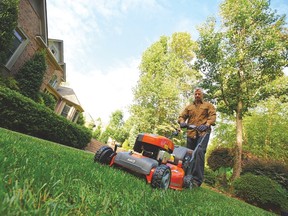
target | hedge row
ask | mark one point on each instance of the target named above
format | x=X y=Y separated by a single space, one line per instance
x=275 y=170
x=261 y=191
x=23 y=115
x=262 y=183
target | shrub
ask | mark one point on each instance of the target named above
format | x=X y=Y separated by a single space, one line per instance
x=210 y=177
x=273 y=169
x=30 y=76
x=220 y=157
x=9 y=82
x=23 y=115
x=224 y=158
x=261 y=191
x=48 y=100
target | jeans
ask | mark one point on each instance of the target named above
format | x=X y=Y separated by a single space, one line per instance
x=198 y=145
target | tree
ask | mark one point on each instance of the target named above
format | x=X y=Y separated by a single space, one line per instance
x=265 y=130
x=165 y=83
x=8 y=22
x=115 y=128
x=98 y=130
x=249 y=52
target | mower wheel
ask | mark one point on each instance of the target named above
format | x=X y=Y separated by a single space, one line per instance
x=188 y=182
x=161 y=177
x=104 y=155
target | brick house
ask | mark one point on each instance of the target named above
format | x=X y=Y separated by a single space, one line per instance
x=30 y=36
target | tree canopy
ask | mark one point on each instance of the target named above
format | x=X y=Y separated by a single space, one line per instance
x=239 y=60
x=165 y=84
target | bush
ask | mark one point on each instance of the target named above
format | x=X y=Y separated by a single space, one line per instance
x=23 y=115
x=210 y=177
x=261 y=191
x=220 y=157
x=48 y=100
x=224 y=158
x=30 y=76
x=9 y=82
x=273 y=169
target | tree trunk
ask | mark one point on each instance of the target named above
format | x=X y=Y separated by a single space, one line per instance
x=239 y=141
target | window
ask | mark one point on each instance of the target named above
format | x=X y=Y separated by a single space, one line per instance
x=65 y=111
x=17 y=40
x=53 y=82
x=19 y=43
x=75 y=116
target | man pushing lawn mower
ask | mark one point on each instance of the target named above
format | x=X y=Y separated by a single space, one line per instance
x=202 y=114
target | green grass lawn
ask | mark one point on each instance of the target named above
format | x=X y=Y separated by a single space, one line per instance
x=43 y=178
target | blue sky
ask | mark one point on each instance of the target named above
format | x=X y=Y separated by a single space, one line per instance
x=104 y=41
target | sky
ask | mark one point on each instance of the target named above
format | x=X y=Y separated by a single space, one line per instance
x=105 y=39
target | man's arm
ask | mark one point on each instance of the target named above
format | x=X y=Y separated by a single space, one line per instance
x=211 y=120
x=183 y=116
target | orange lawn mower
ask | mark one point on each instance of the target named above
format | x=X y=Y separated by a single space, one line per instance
x=155 y=157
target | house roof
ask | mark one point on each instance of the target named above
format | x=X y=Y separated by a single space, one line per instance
x=69 y=95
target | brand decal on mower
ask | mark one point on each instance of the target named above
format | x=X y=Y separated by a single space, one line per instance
x=131 y=160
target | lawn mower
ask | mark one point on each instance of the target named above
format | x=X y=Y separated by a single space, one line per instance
x=155 y=157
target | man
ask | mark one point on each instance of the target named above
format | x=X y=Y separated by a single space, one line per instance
x=202 y=114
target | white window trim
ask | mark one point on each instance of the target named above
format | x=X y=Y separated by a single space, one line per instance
x=19 y=50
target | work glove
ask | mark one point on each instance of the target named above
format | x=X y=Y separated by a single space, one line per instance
x=183 y=125
x=202 y=127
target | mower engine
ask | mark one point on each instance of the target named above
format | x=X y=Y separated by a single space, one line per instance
x=150 y=145
x=164 y=157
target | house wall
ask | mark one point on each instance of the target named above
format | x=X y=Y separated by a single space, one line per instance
x=31 y=23
x=51 y=70
x=72 y=112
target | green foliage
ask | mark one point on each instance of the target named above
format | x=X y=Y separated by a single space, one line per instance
x=30 y=76
x=9 y=82
x=165 y=84
x=265 y=128
x=108 y=132
x=96 y=133
x=239 y=60
x=220 y=157
x=224 y=132
x=210 y=177
x=48 y=100
x=125 y=145
x=261 y=191
x=277 y=89
x=21 y=114
x=81 y=120
x=275 y=170
x=8 y=22
x=38 y=177
x=220 y=161
x=115 y=129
